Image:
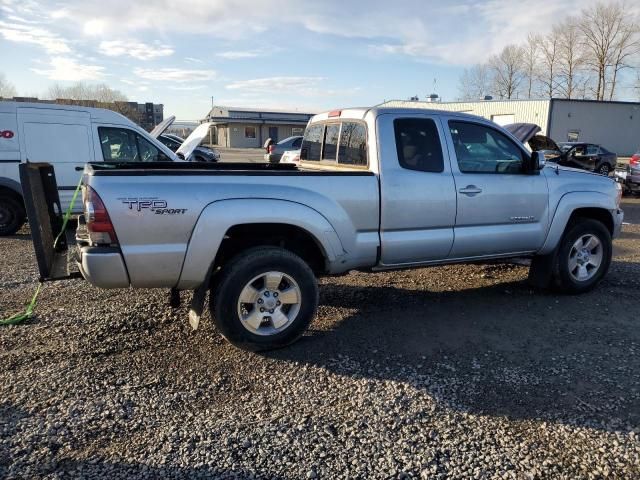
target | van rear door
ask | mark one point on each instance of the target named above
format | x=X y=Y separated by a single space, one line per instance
x=59 y=137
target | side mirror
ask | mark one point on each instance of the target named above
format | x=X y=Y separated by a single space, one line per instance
x=539 y=160
x=535 y=163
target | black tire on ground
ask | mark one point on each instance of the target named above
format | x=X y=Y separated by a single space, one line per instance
x=564 y=281
x=12 y=215
x=237 y=273
x=604 y=169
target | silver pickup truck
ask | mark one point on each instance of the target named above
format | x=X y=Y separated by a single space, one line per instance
x=375 y=189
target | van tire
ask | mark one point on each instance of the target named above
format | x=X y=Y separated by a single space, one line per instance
x=226 y=307
x=576 y=234
x=12 y=214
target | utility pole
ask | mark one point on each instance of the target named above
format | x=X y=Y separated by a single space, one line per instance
x=210 y=126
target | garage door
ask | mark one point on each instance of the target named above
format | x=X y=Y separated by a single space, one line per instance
x=504 y=119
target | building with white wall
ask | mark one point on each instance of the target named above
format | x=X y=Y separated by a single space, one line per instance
x=250 y=128
x=614 y=125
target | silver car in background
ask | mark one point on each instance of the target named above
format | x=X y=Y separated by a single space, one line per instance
x=275 y=150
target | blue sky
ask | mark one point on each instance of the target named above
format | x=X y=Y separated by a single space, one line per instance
x=285 y=54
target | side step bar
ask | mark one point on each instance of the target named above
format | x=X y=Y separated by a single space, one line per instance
x=42 y=204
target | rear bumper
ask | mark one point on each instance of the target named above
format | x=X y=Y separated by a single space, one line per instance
x=103 y=267
x=272 y=157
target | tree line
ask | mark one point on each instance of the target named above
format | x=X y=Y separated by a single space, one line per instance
x=581 y=57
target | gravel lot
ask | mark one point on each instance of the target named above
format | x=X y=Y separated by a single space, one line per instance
x=448 y=372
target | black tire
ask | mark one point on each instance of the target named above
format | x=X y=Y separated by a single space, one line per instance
x=12 y=215
x=604 y=169
x=236 y=274
x=563 y=279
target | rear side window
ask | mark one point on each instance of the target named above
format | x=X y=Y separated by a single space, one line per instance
x=418 y=144
x=330 y=149
x=353 y=144
x=312 y=143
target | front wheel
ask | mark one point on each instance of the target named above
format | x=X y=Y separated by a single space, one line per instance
x=584 y=256
x=265 y=298
x=604 y=169
x=12 y=215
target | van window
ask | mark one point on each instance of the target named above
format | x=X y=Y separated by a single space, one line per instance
x=312 y=143
x=330 y=148
x=418 y=144
x=353 y=144
x=124 y=145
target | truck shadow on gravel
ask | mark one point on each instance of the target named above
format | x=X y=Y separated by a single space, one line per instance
x=500 y=350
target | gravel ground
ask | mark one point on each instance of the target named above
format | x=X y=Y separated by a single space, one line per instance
x=447 y=372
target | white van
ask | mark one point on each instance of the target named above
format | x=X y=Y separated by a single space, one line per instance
x=67 y=136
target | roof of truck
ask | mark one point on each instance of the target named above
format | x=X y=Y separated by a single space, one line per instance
x=97 y=114
x=361 y=112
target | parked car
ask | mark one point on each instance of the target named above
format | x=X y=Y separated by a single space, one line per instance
x=275 y=150
x=587 y=156
x=381 y=188
x=629 y=175
x=200 y=154
x=290 y=156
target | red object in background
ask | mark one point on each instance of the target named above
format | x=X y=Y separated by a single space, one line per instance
x=271 y=148
x=635 y=160
x=6 y=134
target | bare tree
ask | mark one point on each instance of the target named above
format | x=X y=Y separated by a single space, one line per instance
x=531 y=58
x=571 y=56
x=475 y=82
x=610 y=38
x=507 y=70
x=549 y=57
x=101 y=93
x=7 y=90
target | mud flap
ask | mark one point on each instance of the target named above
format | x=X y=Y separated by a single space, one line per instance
x=197 y=305
x=541 y=270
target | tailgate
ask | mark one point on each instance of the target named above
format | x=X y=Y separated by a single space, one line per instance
x=42 y=205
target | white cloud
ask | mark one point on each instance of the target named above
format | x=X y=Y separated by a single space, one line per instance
x=175 y=74
x=94 y=27
x=134 y=49
x=187 y=88
x=238 y=54
x=68 y=69
x=273 y=84
x=27 y=32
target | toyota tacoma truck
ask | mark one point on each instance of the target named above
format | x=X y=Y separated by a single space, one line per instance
x=375 y=189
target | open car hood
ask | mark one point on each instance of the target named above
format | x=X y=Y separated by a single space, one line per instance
x=193 y=140
x=162 y=126
x=523 y=131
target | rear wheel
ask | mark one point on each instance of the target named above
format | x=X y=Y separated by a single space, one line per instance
x=265 y=298
x=584 y=256
x=604 y=169
x=12 y=215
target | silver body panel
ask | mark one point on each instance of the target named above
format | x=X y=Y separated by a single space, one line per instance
x=388 y=217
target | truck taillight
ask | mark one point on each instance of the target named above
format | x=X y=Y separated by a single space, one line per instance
x=271 y=148
x=635 y=160
x=101 y=231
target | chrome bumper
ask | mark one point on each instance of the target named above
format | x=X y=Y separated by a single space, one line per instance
x=103 y=267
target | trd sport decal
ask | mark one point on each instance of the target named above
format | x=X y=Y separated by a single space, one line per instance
x=155 y=205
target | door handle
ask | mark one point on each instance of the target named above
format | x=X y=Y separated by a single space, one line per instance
x=470 y=190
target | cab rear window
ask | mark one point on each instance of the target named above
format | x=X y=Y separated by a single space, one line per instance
x=344 y=143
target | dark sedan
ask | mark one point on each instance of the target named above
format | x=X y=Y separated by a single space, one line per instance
x=200 y=154
x=587 y=156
